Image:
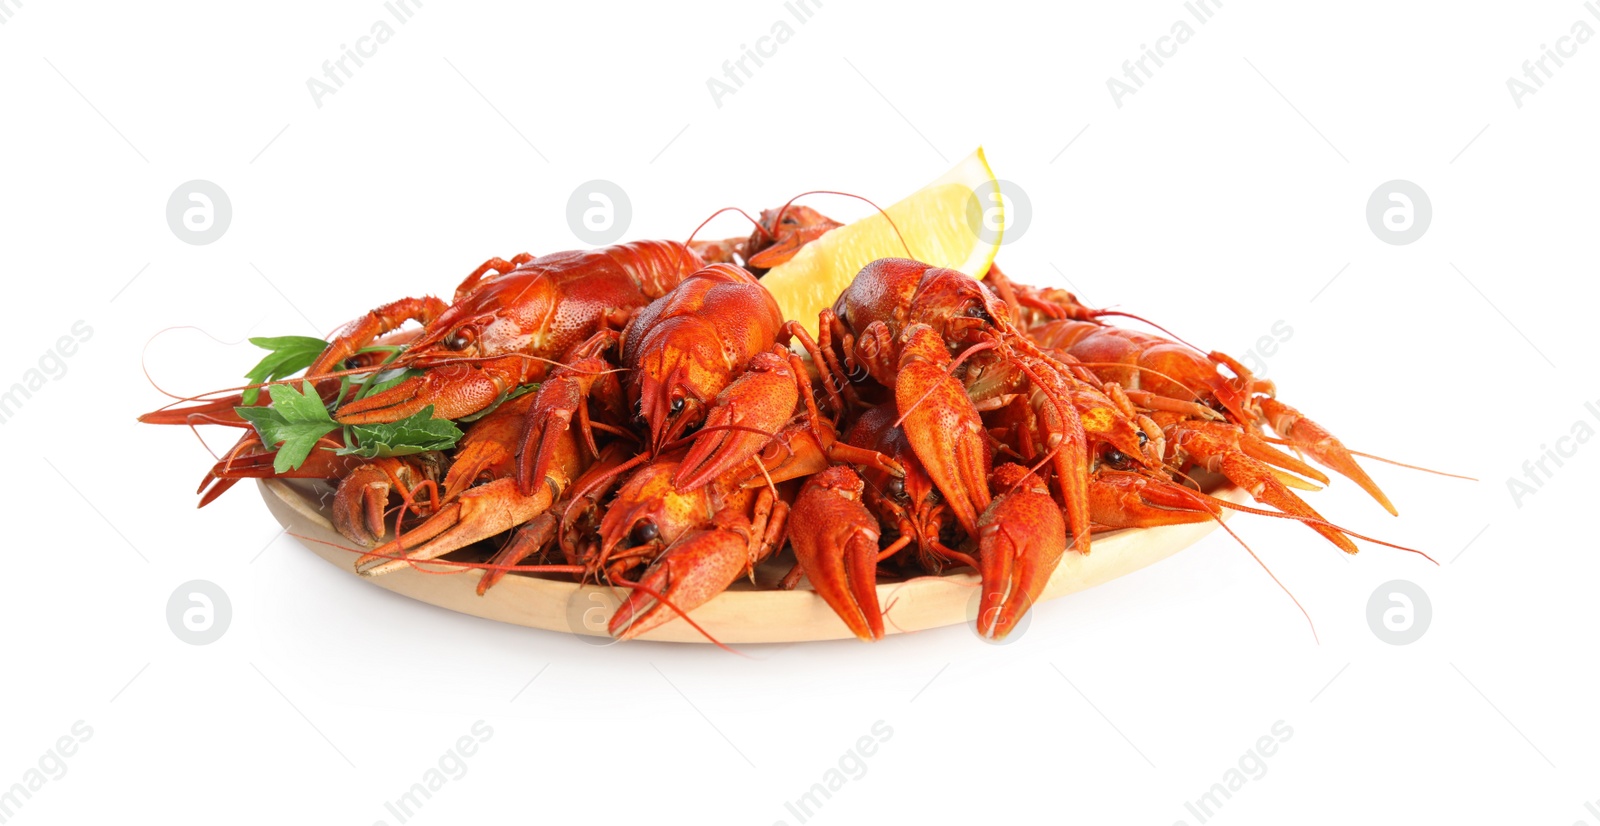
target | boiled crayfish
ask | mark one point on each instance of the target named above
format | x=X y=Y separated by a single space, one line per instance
x=637 y=416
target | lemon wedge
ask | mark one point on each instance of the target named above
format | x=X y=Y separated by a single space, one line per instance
x=942 y=224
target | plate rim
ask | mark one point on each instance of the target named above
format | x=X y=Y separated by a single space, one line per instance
x=736 y=616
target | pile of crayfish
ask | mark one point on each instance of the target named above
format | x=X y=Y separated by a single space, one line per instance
x=642 y=415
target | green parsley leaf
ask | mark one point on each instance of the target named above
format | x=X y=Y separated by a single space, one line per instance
x=289 y=355
x=296 y=421
x=417 y=433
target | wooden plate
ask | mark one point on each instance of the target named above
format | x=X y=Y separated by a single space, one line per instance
x=739 y=615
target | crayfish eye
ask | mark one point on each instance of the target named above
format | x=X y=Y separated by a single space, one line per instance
x=1116 y=459
x=897 y=487
x=459 y=340
x=1143 y=439
x=677 y=406
x=645 y=532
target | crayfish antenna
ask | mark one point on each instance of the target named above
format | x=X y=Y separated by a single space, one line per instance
x=1284 y=588
x=1411 y=467
x=867 y=201
x=763 y=230
x=1315 y=521
x=1143 y=320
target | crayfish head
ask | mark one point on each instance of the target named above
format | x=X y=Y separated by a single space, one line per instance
x=649 y=510
x=914 y=493
x=456 y=339
x=498 y=317
x=1123 y=441
x=670 y=394
x=932 y=520
x=958 y=306
x=881 y=291
x=441 y=344
x=783 y=232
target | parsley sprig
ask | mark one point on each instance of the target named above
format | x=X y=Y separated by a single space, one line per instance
x=286 y=356
x=297 y=421
x=418 y=433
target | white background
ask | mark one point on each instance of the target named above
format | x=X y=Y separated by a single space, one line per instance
x=1219 y=199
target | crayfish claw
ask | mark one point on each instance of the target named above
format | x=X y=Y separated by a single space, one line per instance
x=478 y=514
x=1120 y=499
x=743 y=419
x=700 y=565
x=454 y=390
x=526 y=541
x=1321 y=445
x=1021 y=539
x=835 y=540
x=942 y=425
x=359 y=505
